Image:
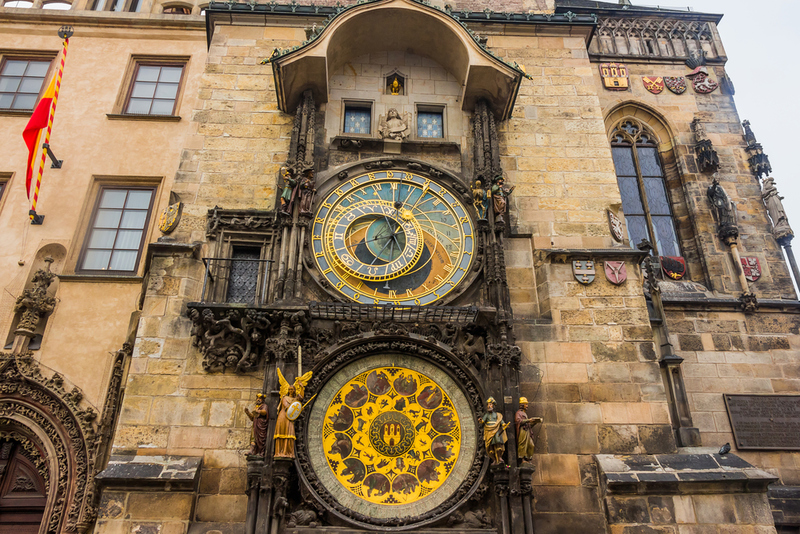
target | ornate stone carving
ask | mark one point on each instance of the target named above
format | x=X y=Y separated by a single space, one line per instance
x=725 y=212
x=244 y=220
x=774 y=203
x=301 y=147
x=504 y=353
x=758 y=160
x=707 y=158
x=34 y=303
x=29 y=401
x=393 y=126
x=665 y=38
x=486 y=151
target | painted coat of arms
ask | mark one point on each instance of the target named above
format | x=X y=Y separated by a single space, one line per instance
x=751 y=268
x=615 y=76
x=616 y=272
x=170 y=217
x=654 y=85
x=583 y=271
x=676 y=84
x=673 y=266
x=615 y=226
x=701 y=82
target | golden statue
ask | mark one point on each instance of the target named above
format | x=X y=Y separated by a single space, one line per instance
x=524 y=431
x=395 y=87
x=494 y=432
x=288 y=411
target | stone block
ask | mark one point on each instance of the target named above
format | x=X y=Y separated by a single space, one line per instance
x=627 y=510
x=657 y=439
x=222 y=413
x=717 y=509
x=662 y=509
x=559 y=469
x=572 y=439
x=569 y=523
x=683 y=505
x=222 y=508
x=146 y=385
x=566 y=499
x=160 y=505
x=578 y=413
x=181 y=411
x=112 y=505
x=197 y=438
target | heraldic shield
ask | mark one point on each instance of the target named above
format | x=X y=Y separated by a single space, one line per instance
x=751 y=268
x=616 y=272
x=653 y=84
x=676 y=84
x=584 y=271
x=673 y=266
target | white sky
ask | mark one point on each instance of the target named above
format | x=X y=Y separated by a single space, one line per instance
x=761 y=40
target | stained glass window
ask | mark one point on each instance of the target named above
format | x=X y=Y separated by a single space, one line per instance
x=430 y=124
x=357 y=119
x=641 y=185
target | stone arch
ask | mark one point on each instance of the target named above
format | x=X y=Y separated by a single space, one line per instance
x=649 y=116
x=59 y=436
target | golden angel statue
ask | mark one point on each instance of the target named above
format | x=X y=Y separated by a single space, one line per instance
x=288 y=411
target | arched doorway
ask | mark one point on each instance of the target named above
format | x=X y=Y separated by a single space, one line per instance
x=23 y=494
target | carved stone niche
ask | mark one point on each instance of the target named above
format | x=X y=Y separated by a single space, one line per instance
x=352 y=359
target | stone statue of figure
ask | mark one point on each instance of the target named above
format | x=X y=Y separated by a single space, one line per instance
x=480 y=199
x=494 y=432
x=307 y=190
x=774 y=204
x=525 y=426
x=393 y=126
x=726 y=213
x=699 y=131
x=500 y=195
x=289 y=185
x=749 y=136
x=284 y=425
x=260 y=418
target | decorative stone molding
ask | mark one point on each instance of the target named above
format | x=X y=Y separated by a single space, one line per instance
x=653 y=37
x=34 y=406
x=220 y=219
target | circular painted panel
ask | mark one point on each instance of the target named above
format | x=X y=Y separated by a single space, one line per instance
x=397 y=436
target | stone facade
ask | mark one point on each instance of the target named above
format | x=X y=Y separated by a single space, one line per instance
x=629 y=378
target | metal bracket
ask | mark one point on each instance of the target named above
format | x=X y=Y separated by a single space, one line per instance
x=56 y=162
x=35 y=217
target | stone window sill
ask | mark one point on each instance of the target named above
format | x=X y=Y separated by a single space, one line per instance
x=101 y=278
x=16 y=112
x=152 y=118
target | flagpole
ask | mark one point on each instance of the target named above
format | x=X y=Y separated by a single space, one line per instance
x=65 y=32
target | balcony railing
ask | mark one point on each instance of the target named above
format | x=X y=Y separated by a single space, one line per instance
x=237 y=281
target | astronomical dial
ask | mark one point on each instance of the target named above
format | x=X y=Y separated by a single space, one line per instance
x=393 y=237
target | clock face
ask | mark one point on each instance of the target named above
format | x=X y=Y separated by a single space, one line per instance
x=393 y=237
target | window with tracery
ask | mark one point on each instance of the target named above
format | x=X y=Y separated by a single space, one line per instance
x=640 y=176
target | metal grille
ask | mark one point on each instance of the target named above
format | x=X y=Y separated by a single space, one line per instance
x=367 y=312
x=243 y=281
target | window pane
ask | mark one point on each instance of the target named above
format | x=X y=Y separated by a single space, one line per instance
x=6 y=100
x=143 y=90
x=56 y=5
x=139 y=199
x=244 y=274
x=637 y=229
x=649 y=162
x=18 y=3
x=656 y=196
x=31 y=85
x=171 y=74
x=102 y=238
x=14 y=67
x=167 y=90
x=138 y=105
x=100 y=5
x=129 y=239
x=9 y=84
x=108 y=218
x=148 y=73
x=430 y=125
x=133 y=219
x=162 y=107
x=666 y=241
x=357 y=120
x=623 y=161
x=37 y=68
x=113 y=198
x=631 y=198
x=24 y=102
x=123 y=260
x=96 y=259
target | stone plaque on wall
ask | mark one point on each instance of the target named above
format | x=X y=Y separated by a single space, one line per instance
x=765 y=421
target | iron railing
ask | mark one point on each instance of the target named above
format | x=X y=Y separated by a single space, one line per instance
x=237 y=281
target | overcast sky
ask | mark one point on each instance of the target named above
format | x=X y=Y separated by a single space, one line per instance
x=761 y=40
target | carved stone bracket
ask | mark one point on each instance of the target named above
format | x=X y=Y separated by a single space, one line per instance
x=244 y=220
x=35 y=406
x=758 y=160
x=707 y=158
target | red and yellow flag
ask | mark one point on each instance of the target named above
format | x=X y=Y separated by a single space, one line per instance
x=33 y=131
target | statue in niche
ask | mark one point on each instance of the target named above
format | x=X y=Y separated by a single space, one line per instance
x=288 y=412
x=395 y=87
x=289 y=189
x=307 y=190
x=393 y=126
x=260 y=418
x=500 y=195
x=726 y=212
x=774 y=204
x=494 y=432
x=525 y=426
x=480 y=199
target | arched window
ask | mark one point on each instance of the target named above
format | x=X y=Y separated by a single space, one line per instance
x=640 y=175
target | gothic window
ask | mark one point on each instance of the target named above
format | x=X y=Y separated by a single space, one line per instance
x=640 y=176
